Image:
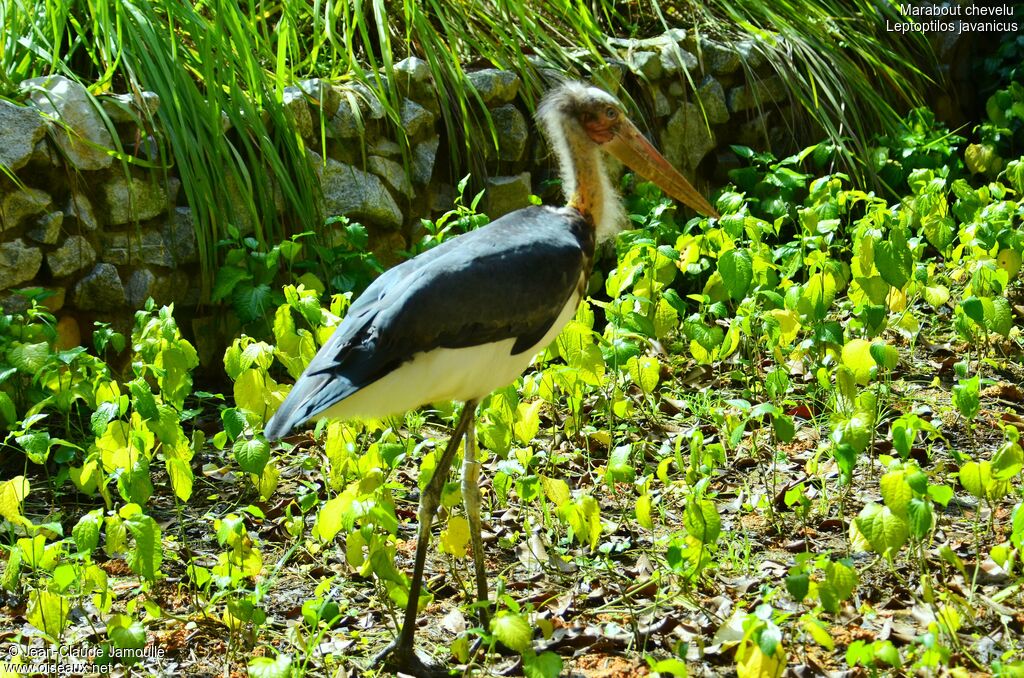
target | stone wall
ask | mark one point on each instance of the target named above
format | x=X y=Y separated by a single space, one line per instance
x=102 y=241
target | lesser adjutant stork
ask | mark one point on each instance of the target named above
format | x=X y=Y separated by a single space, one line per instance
x=466 y=317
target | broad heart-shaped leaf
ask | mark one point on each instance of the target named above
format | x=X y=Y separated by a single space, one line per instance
x=884 y=530
x=252 y=455
x=842 y=577
x=584 y=517
x=28 y=358
x=527 y=421
x=644 y=371
x=974 y=309
x=12 y=494
x=544 y=665
x=896 y=492
x=180 y=473
x=702 y=521
x=265 y=667
x=798 y=585
x=455 y=537
x=939 y=230
x=708 y=337
x=998 y=318
x=1007 y=461
x=49 y=612
x=977 y=479
x=894 y=259
x=885 y=355
x=737 y=270
x=756 y=664
x=876 y=289
x=513 y=630
x=816 y=296
x=857 y=356
x=556 y=490
x=86 y=532
x=965 y=397
x=148 y=553
x=1017 y=521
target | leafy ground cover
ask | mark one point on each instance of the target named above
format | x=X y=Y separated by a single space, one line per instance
x=785 y=438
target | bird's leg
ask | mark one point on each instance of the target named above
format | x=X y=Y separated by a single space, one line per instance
x=471 y=500
x=400 y=654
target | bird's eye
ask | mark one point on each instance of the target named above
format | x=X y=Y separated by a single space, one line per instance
x=611 y=113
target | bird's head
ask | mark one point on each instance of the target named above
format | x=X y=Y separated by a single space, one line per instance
x=590 y=113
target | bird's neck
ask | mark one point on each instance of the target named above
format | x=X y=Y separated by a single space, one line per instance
x=585 y=181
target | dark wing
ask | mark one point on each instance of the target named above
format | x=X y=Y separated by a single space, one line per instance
x=509 y=279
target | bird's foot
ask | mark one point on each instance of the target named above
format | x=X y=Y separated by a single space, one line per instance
x=406 y=660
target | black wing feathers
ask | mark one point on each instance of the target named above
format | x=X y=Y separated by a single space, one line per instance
x=509 y=279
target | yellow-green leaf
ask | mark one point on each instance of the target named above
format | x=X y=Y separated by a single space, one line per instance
x=49 y=612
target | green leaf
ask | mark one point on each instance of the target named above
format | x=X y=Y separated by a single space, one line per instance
x=940 y=494
x=126 y=633
x=782 y=425
x=1008 y=461
x=86 y=532
x=919 y=513
x=709 y=338
x=977 y=479
x=857 y=355
x=894 y=260
x=885 y=355
x=965 y=397
x=336 y=513
x=643 y=511
x=644 y=371
x=816 y=296
x=798 y=585
x=974 y=309
x=896 y=492
x=265 y=667
x=513 y=630
x=234 y=422
x=939 y=229
x=36 y=445
x=252 y=454
x=737 y=270
x=544 y=665
x=527 y=421
x=671 y=666
x=702 y=521
x=846 y=458
x=146 y=557
x=620 y=466
x=556 y=490
x=842 y=577
x=49 y=612
x=101 y=417
x=251 y=303
x=1017 y=522
x=226 y=280
x=884 y=530
x=29 y=358
x=998 y=317
x=181 y=476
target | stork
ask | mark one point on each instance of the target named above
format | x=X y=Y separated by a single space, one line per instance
x=466 y=317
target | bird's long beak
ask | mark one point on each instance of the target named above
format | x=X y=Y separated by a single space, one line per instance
x=632 y=149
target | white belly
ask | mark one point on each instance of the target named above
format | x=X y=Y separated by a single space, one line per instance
x=445 y=374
